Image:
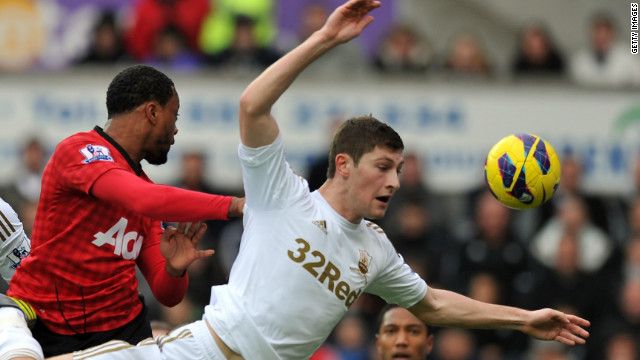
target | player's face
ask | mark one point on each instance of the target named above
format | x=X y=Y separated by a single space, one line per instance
x=403 y=336
x=373 y=182
x=165 y=131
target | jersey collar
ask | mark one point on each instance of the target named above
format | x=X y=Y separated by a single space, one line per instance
x=137 y=168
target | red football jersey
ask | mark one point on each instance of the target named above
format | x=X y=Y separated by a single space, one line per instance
x=80 y=275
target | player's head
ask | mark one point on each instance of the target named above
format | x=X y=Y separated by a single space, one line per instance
x=366 y=157
x=135 y=86
x=603 y=32
x=152 y=94
x=400 y=334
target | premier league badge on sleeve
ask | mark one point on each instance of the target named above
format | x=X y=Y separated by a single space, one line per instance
x=18 y=253
x=95 y=153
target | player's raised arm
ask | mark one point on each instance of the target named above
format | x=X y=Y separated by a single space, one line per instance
x=257 y=126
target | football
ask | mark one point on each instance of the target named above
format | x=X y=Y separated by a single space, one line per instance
x=522 y=171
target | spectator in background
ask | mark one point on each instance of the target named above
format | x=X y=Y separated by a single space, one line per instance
x=572 y=219
x=565 y=285
x=27 y=178
x=413 y=189
x=622 y=345
x=543 y=351
x=345 y=60
x=325 y=352
x=27 y=214
x=624 y=316
x=206 y=272
x=631 y=264
x=150 y=17
x=537 y=54
x=193 y=173
x=244 y=55
x=633 y=219
x=605 y=62
x=571 y=185
x=454 y=344
x=492 y=248
x=466 y=58
x=106 y=45
x=493 y=344
x=403 y=51
x=170 y=51
x=401 y=335
x=317 y=171
x=219 y=27
x=419 y=240
x=350 y=338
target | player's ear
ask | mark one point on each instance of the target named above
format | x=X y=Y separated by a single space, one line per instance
x=343 y=165
x=151 y=111
x=429 y=344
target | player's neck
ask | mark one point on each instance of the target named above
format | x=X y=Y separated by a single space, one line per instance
x=124 y=133
x=337 y=196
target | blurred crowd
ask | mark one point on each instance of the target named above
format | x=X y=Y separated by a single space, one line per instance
x=579 y=252
x=244 y=37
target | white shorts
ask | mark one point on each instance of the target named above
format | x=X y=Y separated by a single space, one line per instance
x=192 y=341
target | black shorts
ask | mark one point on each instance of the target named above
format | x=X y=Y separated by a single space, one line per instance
x=56 y=344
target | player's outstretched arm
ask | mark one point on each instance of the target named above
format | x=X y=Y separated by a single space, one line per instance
x=257 y=126
x=446 y=308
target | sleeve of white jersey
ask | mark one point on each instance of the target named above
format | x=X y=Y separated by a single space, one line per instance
x=397 y=283
x=15 y=244
x=269 y=181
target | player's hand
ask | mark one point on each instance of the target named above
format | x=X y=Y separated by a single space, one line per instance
x=348 y=21
x=548 y=324
x=179 y=246
x=236 y=207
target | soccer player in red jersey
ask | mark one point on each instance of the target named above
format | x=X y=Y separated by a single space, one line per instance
x=100 y=215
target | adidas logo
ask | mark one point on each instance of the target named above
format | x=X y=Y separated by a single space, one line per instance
x=321 y=224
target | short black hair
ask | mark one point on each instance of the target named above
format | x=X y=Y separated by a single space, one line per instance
x=136 y=85
x=384 y=310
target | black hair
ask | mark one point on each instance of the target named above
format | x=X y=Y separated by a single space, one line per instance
x=382 y=313
x=136 y=85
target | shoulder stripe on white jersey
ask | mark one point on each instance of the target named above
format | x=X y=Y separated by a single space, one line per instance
x=6 y=222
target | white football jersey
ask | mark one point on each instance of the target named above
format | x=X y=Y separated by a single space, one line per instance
x=300 y=267
x=14 y=243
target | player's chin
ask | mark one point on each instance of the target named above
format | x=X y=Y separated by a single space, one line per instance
x=158 y=158
x=377 y=213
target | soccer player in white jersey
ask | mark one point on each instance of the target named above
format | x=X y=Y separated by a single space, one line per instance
x=15 y=338
x=306 y=257
x=15 y=243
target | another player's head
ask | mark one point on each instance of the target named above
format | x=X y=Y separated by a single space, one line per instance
x=366 y=157
x=401 y=335
x=147 y=92
x=603 y=32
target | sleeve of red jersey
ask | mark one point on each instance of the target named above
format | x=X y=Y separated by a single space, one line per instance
x=168 y=290
x=160 y=202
